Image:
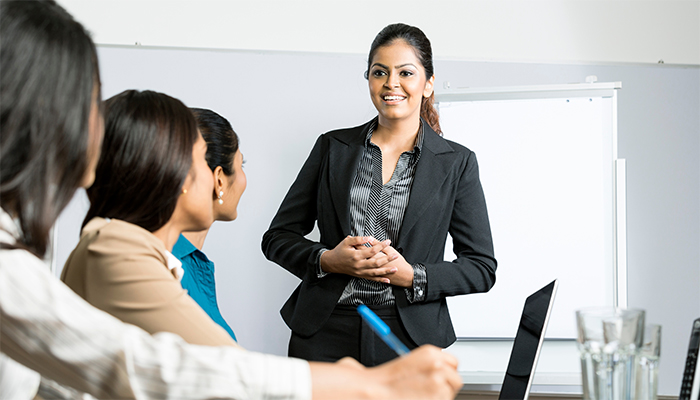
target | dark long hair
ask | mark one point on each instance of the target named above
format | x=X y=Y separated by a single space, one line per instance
x=49 y=74
x=415 y=38
x=222 y=141
x=146 y=156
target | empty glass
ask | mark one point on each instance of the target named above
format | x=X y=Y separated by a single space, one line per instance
x=648 y=364
x=609 y=340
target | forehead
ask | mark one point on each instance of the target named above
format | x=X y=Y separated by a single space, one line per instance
x=397 y=51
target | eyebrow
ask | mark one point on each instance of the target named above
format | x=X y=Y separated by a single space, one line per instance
x=398 y=66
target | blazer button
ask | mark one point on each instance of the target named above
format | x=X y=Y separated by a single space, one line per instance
x=400 y=250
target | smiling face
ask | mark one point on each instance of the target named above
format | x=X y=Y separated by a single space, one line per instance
x=397 y=82
x=233 y=187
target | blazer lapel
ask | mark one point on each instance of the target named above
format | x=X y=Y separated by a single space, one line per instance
x=433 y=169
x=344 y=152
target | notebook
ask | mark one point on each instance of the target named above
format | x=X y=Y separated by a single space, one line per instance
x=528 y=343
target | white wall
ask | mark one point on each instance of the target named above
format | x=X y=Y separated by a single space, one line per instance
x=540 y=31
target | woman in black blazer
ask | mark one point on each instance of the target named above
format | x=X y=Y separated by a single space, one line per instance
x=384 y=195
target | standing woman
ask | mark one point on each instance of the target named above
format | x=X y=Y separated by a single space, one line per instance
x=385 y=195
x=226 y=163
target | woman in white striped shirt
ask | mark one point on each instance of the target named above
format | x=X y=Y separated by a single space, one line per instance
x=51 y=126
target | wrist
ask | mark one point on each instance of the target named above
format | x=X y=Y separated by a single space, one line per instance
x=323 y=261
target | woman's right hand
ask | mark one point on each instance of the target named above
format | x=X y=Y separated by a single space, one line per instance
x=352 y=257
x=426 y=373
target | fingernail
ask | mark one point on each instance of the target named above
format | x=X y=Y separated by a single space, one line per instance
x=386 y=281
x=394 y=269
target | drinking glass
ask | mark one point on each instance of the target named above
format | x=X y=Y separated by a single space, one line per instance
x=648 y=364
x=609 y=341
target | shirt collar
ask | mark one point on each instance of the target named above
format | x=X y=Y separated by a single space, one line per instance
x=174 y=265
x=419 y=139
x=183 y=247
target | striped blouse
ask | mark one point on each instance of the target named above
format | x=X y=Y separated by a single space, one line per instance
x=377 y=210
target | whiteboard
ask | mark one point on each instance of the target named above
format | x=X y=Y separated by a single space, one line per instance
x=547 y=168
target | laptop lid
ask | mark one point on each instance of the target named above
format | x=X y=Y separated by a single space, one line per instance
x=528 y=342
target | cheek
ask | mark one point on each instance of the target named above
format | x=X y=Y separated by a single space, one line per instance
x=244 y=181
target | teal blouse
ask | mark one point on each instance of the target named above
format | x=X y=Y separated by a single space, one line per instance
x=199 y=280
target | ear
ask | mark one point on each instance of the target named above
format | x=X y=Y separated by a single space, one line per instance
x=429 y=87
x=220 y=179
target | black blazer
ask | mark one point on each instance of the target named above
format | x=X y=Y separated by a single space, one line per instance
x=446 y=196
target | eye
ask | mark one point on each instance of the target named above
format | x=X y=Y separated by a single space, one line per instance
x=406 y=73
x=378 y=73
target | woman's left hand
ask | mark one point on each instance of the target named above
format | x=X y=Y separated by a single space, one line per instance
x=404 y=275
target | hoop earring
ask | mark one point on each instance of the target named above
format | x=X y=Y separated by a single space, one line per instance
x=221 y=194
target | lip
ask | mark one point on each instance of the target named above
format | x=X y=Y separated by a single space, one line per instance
x=395 y=97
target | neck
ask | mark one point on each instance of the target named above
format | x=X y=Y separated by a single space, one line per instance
x=398 y=133
x=196 y=238
x=168 y=234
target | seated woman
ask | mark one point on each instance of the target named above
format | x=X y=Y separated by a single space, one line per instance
x=226 y=163
x=151 y=183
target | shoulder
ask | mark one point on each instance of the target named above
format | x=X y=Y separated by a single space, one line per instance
x=349 y=135
x=118 y=239
x=18 y=259
x=459 y=148
x=439 y=144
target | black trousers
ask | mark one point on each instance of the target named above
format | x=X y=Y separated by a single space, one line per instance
x=347 y=335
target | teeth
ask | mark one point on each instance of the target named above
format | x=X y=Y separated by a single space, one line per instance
x=392 y=98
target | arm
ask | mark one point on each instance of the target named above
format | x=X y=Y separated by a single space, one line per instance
x=474 y=269
x=285 y=244
x=426 y=373
x=47 y=327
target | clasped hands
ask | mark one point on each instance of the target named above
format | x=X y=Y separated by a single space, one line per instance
x=377 y=262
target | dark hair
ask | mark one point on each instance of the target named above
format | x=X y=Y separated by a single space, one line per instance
x=415 y=38
x=146 y=156
x=49 y=74
x=222 y=141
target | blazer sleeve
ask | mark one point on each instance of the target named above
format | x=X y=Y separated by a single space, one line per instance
x=284 y=242
x=474 y=269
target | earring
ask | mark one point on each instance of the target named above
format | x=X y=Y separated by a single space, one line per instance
x=184 y=191
x=221 y=194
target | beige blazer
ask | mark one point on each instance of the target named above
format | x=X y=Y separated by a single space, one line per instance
x=122 y=269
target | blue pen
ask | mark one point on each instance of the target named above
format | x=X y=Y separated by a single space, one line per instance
x=381 y=329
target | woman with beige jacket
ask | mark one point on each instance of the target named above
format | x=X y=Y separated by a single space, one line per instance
x=152 y=182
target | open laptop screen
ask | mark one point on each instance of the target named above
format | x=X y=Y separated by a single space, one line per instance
x=527 y=344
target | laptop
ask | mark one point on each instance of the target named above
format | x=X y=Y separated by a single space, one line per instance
x=690 y=386
x=528 y=343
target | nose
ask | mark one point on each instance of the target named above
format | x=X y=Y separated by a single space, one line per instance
x=392 y=80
